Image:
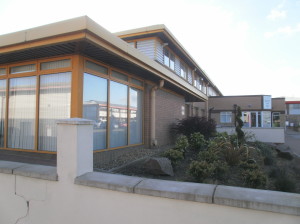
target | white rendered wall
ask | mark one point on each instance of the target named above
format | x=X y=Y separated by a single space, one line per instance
x=30 y=200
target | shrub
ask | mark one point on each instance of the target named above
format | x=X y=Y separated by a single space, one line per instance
x=240 y=124
x=254 y=178
x=197 y=141
x=174 y=155
x=282 y=180
x=190 y=125
x=209 y=156
x=182 y=143
x=284 y=183
x=201 y=170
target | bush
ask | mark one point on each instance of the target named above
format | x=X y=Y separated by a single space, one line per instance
x=254 y=178
x=284 y=183
x=282 y=180
x=190 y=125
x=197 y=141
x=182 y=143
x=201 y=170
x=174 y=155
x=209 y=156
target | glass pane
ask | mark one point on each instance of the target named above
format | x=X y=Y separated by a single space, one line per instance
x=56 y=64
x=118 y=114
x=136 y=116
x=22 y=112
x=119 y=75
x=95 y=107
x=172 y=61
x=2 y=71
x=2 y=110
x=166 y=57
x=55 y=103
x=136 y=82
x=96 y=67
x=22 y=68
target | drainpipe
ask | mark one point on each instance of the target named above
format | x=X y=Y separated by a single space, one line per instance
x=152 y=112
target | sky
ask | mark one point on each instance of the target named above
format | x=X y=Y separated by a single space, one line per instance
x=246 y=47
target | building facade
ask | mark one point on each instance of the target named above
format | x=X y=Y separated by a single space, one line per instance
x=293 y=113
x=258 y=111
x=134 y=85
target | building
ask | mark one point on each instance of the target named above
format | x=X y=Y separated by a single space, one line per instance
x=133 y=84
x=258 y=111
x=293 y=113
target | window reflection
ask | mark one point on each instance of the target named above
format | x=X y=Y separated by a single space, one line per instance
x=118 y=114
x=136 y=111
x=22 y=111
x=2 y=110
x=95 y=107
x=55 y=100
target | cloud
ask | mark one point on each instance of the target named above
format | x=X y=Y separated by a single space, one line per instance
x=276 y=14
x=287 y=31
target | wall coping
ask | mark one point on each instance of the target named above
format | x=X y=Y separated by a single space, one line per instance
x=263 y=200
x=29 y=170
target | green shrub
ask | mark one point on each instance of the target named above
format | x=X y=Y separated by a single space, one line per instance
x=249 y=165
x=182 y=143
x=201 y=170
x=190 y=125
x=197 y=141
x=231 y=154
x=282 y=180
x=174 y=155
x=209 y=156
x=284 y=183
x=254 y=178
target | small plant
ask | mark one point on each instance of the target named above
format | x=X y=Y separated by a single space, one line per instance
x=201 y=170
x=240 y=124
x=254 y=178
x=174 y=155
x=182 y=143
x=209 y=156
x=190 y=125
x=197 y=141
x=282 y=180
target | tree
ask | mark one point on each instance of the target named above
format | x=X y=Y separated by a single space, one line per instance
x=239 y=125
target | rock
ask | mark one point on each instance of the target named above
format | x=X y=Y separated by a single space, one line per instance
x=159 y=166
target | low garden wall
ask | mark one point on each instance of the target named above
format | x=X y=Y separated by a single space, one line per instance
x=73 y=193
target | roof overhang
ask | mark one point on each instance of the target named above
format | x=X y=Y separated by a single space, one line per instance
x=83 y=36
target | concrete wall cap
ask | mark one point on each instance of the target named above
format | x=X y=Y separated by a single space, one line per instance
x=8 y=166
x=273 y=201
x=75 y=121
x=37 y=171
x=176 y=190
x=109 y=181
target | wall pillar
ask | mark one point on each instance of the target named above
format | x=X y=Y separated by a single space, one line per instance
x=74 y=148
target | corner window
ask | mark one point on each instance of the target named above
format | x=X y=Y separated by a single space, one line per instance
x=226 y=117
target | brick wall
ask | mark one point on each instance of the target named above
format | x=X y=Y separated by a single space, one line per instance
x=168 y=109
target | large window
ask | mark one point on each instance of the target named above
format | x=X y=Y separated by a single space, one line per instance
x=55 y=103
x=118 y=114
x=22 y=112
x=183 y=70
x=36 y=100
x=294 y=109
x=95 y=107
x=226 y=117
x=116 y=108
x=136 y=116
x=2 y=110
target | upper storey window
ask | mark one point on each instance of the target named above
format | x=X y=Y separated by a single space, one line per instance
x=169 y=59
x=183 y=70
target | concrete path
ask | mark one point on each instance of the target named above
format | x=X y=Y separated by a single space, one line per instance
x=292 y=141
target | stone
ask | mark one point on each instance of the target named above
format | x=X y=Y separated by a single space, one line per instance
x=159 y=166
